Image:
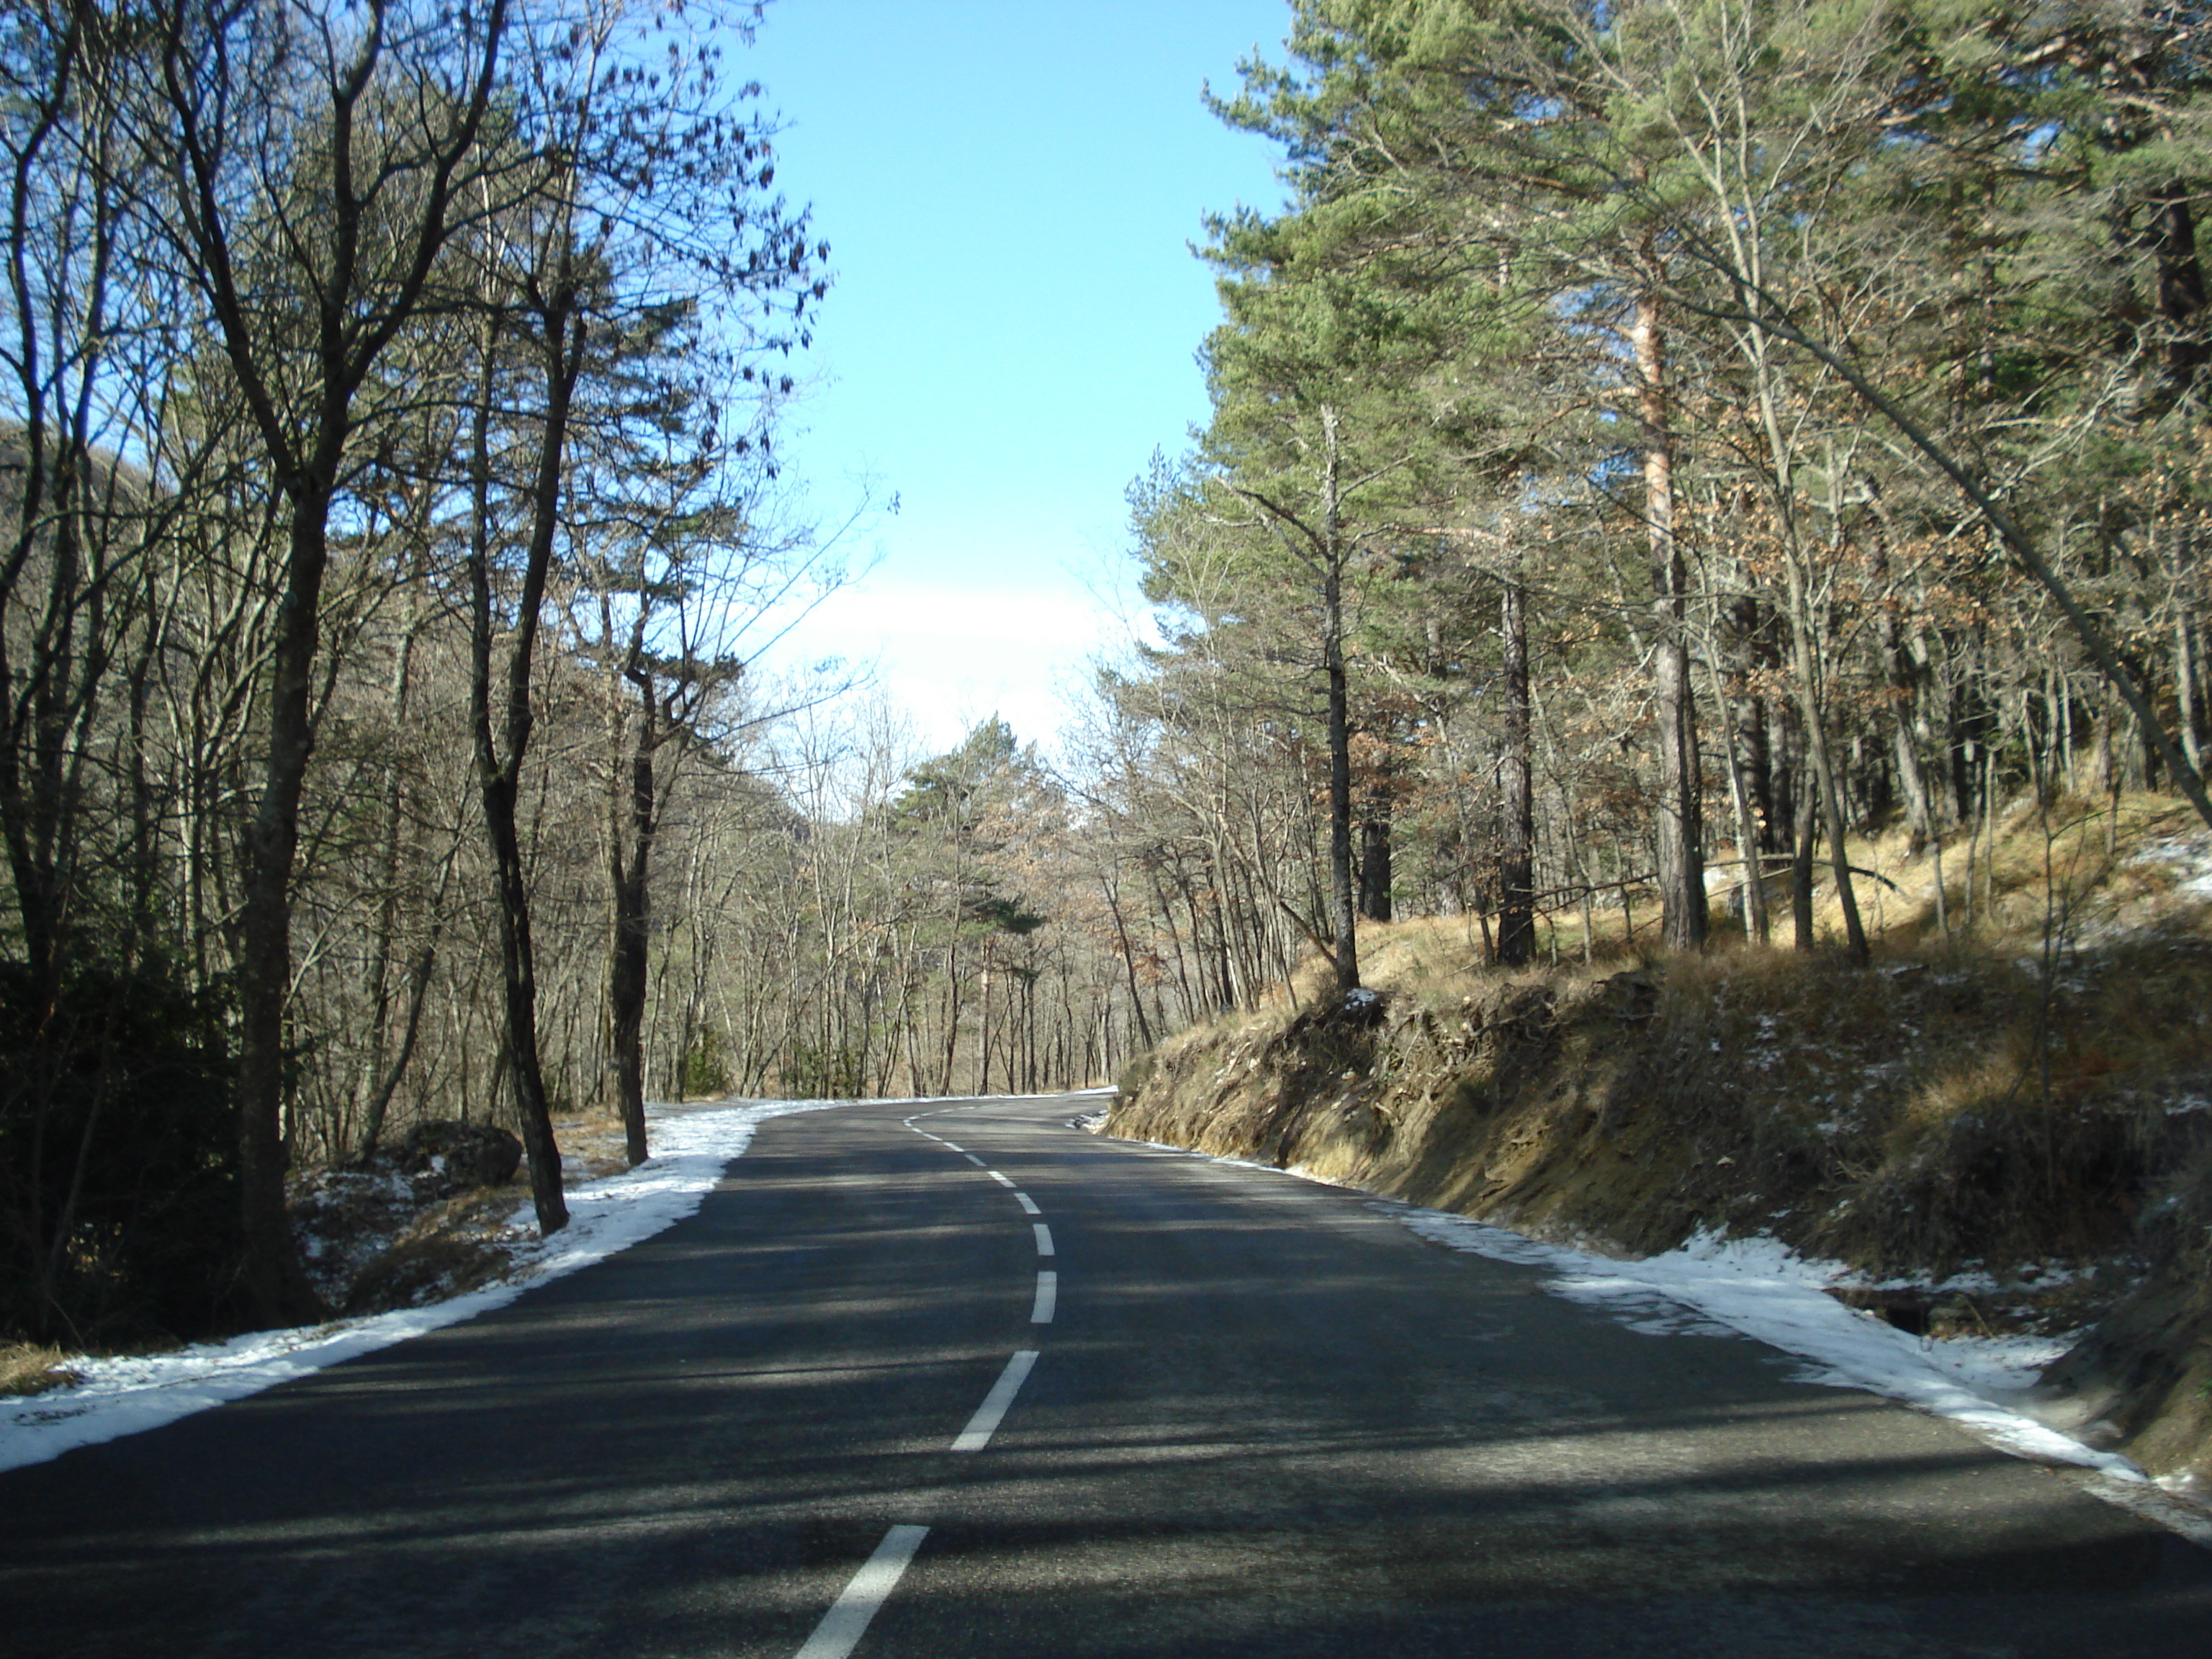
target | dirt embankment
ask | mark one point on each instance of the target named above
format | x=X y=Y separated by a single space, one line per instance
x=2028 y=1141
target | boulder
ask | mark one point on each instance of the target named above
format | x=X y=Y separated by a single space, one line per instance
x=455 y=1158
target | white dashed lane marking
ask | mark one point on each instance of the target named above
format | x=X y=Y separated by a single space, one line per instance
x=849 y=1616
x=981 y=1426
x=847 y=1621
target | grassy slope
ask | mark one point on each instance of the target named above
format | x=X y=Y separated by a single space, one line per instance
x=2023 y=1107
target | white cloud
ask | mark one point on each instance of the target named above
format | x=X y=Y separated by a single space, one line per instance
x=950 y=657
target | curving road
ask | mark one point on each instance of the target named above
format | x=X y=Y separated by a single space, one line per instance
x=961 y=1381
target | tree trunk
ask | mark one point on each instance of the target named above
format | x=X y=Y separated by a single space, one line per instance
x=1750 y=889
x=628 y=954
x=500 y=756
x=1904 y=677
x=350 y=338
x=272 y=1279
x=1375 y=862
x=374 y=1092
x=2185 y=693
x=1752 y=756
x=1679 y=827
x=1816 y=744
x=1343 y=913
x=983 y=1041
x=1800 y=870
x=1516 y=911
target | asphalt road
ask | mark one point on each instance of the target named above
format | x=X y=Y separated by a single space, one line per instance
x=1260 y=1417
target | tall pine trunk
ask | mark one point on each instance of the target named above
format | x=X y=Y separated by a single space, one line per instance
x=1517 y=897
x=1680 y=823
x=1344 y=909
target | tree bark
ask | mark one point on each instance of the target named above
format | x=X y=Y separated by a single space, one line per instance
x=272 y=1278
x=499 y=754
x=1376 y=880
x=1751 y=888
x=1824 y=771
x=1516 y=911
x=374 y=1088
x=1680 y=817
x=1805 y=830
x=1343 y=910
x=1904 y=677
x=629 y=884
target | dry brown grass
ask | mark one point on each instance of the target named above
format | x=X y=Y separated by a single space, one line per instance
x=2070 y=867
x=1438 y=961
x=2002 y=1089
x=26 y=1368
x=596 y=1143
x=377 y=1240
x=453 y=1248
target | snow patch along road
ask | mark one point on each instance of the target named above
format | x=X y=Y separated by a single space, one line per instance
x=1758 y=1287
x=126 y=1396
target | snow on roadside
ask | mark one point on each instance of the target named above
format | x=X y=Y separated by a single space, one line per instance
x=125 y=1396
x=2189 y=857
x=1760 y=1288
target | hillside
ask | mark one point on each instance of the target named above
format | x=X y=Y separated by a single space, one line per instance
x=2005 y=1125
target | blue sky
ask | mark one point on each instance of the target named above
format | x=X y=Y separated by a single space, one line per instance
x=1009 y=191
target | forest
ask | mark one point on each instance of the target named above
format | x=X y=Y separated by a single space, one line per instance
x=1656 y=442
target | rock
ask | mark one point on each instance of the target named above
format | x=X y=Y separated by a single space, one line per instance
x=1635 y=994
x=1907 y=1310
x=457 y=1157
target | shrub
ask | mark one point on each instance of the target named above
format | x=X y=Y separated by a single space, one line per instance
x=119 y=1204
